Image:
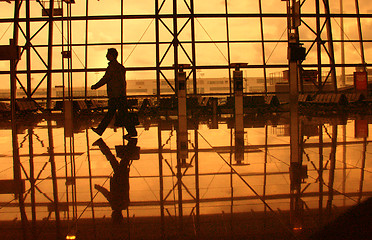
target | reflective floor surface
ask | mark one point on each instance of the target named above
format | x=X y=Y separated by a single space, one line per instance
x=65 y=182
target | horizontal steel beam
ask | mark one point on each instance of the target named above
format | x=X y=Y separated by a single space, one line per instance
x=200 y=15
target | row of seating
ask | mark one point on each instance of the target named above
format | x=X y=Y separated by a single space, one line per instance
x=341 y=99
x=202 y=104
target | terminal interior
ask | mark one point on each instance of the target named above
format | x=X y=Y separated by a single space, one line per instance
x=253 y=120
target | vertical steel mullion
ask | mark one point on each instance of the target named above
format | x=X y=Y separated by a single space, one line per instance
x=320 y=173
x=13 y=82
x=63 y=61
x=360 y=36
x=157 y=49
x=90 y=183
x=73 y=175
x=263 y=46
x=69 y=94
x=330 y=45
x=16 y=159
x=231 y=182
x=13 y=68
x=362 y=169
x=161 y=187
x=32 y=179
x=122 y=31
x=50 y=54
x=343 y=72
x=228 y=46
x=175 y=66
x=193 y=47
x=175 y=42
x=28 y=52
x=265 y=173
x=86 y=50
x=66 y=175
x=70 y=49
x=54 y=177
x=344 y=165
x=319 y=44
x=332 y=169
x=197 y=193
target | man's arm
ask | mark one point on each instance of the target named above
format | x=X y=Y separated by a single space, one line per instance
x=103 y=80
x=104 y=191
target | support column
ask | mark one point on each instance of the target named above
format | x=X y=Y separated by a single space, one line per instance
x=50 y=55
x=54 y=179
x=182 y=134
x=161 y=183
x=28 y=50
x=296 y=53
x=239 y=112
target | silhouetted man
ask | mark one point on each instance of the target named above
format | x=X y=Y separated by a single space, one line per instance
x=117 y=94
x=118 y=196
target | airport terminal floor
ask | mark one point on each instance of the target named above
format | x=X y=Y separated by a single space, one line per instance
x=63 y=181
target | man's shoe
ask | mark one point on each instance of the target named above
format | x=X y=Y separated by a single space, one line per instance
x=128 y=136
x=96 y=131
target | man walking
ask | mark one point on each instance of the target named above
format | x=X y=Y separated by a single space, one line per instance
x=117 y=94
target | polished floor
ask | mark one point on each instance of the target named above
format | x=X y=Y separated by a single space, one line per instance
x=51 y=173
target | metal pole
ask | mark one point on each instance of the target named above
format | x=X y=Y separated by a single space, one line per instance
x=332 y=168
x=343 y=72
x=193 y=48
x=13 y=89
x=321 y=182
x=293 y=91
x=344 y=165
x=69 y=22
x=157 y=46
x=50 y=55
x=319 y=43
x=231 y=175
x=197 y=196
x=122 y=31
x=54 y=178
x=360 y=35
x=175 y=42
x=13 y=92
x=161 y=188
x=228 y=47
x=330 y=45
x=28 y=52
x=362 y=169
x=86 y=51
x=263 y=45
x=32 y=180
x=91 y=183
x=265 y=177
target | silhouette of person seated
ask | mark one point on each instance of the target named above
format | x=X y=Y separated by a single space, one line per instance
x=118 y=196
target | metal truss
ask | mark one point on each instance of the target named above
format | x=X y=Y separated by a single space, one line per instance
x=180 y=22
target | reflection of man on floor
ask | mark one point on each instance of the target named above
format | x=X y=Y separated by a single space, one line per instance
x=118 y=196
x=117 y=94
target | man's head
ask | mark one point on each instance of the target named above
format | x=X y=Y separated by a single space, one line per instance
x=112 y=54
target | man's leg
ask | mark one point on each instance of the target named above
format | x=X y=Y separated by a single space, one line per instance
x=108 y=154
x=128 y=123
x=131 y=129
x=112 y=106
